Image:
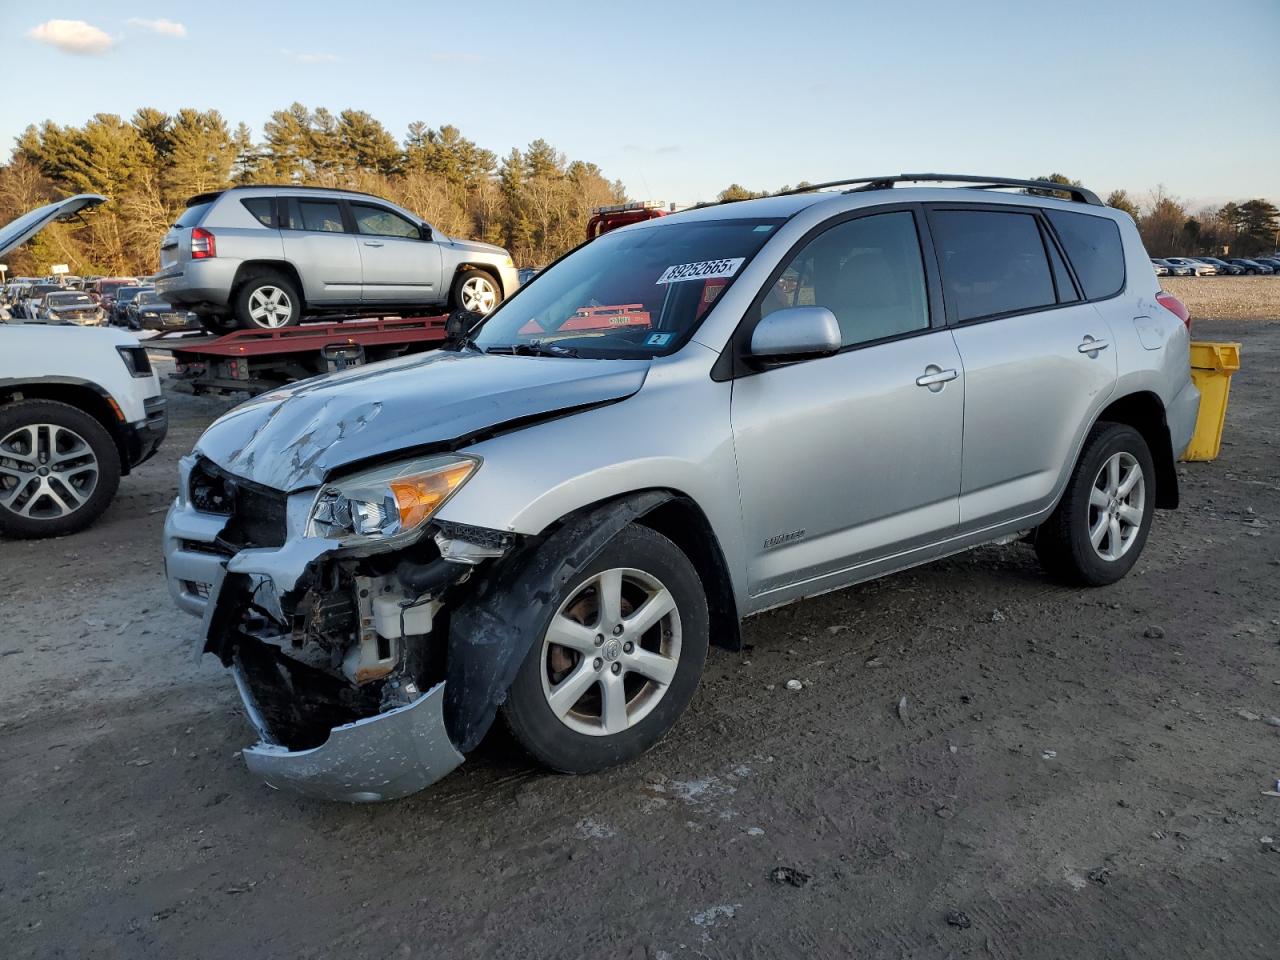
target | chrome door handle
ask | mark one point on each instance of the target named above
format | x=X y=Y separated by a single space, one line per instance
x=372 y=243
x=934 y=377
x=1092 y=346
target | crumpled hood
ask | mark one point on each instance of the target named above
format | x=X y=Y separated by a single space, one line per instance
x=294 y=438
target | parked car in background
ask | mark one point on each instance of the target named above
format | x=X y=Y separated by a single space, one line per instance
x=1272 y=262
x=1161 y=268
x=1197 y=268
x=120 y=303
x=150 y=311
x=266 y=257
x=533 y=520
x=104 y=290
x=78 y=409
x=1224 y=269
x=1251 y=267
x=1172 y=269
x=70 y=306
x=27 y=305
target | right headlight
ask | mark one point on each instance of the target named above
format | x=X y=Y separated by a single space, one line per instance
x=388 y=503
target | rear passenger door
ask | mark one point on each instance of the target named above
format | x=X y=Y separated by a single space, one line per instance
x=398 y=264
x=1038 y=359
x=325 y=254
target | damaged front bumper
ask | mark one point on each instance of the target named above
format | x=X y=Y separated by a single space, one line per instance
x=321 y=735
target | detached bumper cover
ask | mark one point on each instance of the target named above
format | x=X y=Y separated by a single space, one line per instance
x=379 y=758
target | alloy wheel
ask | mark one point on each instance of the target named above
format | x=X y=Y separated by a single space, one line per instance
x=610 y=652
x=479 y=295
x=1117 y=505
x=270 y=307
x=46 y=471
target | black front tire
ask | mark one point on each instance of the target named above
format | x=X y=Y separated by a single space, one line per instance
x=459 y=296
x=14 y=417
x=1063 y=541
x=529 y=715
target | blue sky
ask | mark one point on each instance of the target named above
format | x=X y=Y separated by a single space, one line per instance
x=679 y=99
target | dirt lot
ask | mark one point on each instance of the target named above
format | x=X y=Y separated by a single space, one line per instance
x=1077 y=773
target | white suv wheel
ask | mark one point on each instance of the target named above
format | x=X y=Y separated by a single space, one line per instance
x=270 y=307
x=479 y=294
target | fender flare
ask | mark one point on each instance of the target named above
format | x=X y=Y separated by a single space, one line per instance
x=491 y=634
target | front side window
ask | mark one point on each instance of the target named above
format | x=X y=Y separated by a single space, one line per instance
x=868 y=272
x=381 y=222
x=1093 y=245
x=324 y=216
x=992 y=262
x=632 y=293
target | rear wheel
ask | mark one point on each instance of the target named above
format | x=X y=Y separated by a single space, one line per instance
x=617 y=662
x=59 y=469
x=476 y=291
x=1098 y=530
x=268 y=301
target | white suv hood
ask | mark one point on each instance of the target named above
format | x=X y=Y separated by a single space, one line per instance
x=294 y=438
x=17 y=232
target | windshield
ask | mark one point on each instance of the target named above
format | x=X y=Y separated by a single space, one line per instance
x=65 y=299
x=147 y=297
x=629 y=294
x=125 y=294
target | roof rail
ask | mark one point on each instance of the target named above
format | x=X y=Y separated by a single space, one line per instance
x=1078 y=194
x=212 y=194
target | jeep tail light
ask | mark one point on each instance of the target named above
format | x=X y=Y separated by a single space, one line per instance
x=202 y=244
x=1176 y=307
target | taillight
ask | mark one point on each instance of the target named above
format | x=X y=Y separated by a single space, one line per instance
x=1176 y=307
x=202 y=244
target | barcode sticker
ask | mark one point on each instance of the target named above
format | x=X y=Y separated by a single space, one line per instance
x=705 y=270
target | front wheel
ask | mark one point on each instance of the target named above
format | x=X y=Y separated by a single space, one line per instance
x=59 y=469
x=1098 y=530
x=617 y=662
x=476 y=292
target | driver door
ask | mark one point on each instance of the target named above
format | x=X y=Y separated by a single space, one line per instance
x=853 y=458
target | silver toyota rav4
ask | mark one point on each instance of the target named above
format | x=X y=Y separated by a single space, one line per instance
x=265 y=257
x=682 y=423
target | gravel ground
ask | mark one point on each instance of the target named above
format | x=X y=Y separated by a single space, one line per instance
x=980 y=762
x=1227 y=298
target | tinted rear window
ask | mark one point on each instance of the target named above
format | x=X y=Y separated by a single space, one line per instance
x=1094 y=248
x=191 y=216
x=992 y=263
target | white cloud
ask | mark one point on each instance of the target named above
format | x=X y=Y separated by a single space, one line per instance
x=166 y=27
x=312 y=57
x=73 y=36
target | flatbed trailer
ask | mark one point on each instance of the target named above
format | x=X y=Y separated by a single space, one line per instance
x=254 y=361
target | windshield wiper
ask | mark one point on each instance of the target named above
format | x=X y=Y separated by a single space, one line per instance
x=534 y=348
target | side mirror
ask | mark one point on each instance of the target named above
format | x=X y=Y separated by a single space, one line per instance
x=424 y=231
x=795 y=333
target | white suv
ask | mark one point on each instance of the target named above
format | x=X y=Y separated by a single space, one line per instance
x=79 y=407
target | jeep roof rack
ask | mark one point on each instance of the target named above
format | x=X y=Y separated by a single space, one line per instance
x=214 y=194
x=1078 y=194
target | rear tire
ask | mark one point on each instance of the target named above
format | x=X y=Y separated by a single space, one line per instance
x=591 y=701
x=1096 y=533
x=80 y=464
x=267 y=301
x=476 y=291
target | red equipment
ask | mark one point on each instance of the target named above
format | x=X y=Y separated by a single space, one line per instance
x=255 y=361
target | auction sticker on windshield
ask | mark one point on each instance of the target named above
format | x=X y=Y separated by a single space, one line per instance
x=705 y=270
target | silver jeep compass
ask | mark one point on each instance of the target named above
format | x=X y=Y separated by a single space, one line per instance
x=682 y=423
x=266 y=257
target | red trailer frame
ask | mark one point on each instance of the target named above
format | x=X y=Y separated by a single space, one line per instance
x=254 y=361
